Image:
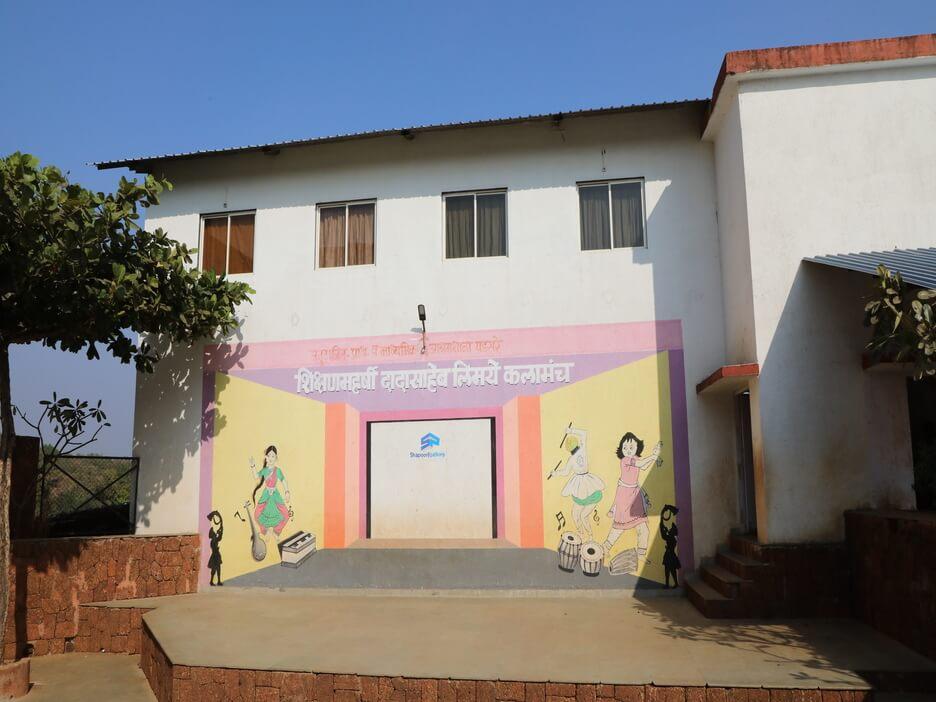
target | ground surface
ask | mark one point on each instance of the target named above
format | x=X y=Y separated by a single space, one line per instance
x=597 y=637
x=88 y=677
x=438 y=568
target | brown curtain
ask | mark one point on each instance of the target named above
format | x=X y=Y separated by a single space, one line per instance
x=214 y=245
x=595 y=214
x=360 y=234
x=627 y=214
x=459 y=226
x=242 y=244
x=492 y=224
x=331 y=237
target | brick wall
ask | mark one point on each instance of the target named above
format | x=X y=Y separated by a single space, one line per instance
x=51 y=578
x=180 y=683
x=799 y=580
x=893 y=560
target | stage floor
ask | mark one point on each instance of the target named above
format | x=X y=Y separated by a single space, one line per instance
x=604 y=637
x=478 y=567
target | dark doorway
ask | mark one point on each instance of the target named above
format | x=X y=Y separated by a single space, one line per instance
x=747 y=510
x=922 y=397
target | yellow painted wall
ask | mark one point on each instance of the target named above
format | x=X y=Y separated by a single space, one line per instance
x=635 y=398
x=250 y=417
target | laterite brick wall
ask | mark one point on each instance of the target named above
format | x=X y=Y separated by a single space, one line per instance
x=893 y=562
x=799 y=580
x=51 y=578
x=180 y=683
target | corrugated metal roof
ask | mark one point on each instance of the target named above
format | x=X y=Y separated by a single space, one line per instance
x=142 y=163
x=917 y=266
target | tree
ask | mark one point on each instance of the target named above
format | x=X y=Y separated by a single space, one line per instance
x=903 y=322
x=71 y=426
x=78 y=273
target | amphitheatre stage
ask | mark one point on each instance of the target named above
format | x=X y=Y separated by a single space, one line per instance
x=472 y=645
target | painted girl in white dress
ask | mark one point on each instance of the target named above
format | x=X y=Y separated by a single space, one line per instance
x=583 y=487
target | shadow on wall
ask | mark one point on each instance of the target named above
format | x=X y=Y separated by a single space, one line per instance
x=18 y=633
x=170 y=439
x=694 y=298
x=830 y=428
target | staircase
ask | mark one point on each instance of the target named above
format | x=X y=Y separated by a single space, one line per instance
x=727 y=587
x=751 y=580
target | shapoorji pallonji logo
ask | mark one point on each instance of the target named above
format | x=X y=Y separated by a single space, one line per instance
x=426 y=442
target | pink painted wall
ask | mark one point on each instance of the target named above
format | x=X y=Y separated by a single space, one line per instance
x=511 y=496
x=353 y=486
x=335 y=474
x=531 y=472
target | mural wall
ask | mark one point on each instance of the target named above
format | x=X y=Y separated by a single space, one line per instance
x=586 y=455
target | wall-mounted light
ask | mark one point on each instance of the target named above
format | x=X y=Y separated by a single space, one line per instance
x=421 y=311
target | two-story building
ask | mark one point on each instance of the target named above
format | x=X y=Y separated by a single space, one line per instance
x=544 y=333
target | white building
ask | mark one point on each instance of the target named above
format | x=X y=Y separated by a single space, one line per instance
x=581 y=274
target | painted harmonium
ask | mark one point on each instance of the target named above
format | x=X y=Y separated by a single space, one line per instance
x=296 y=549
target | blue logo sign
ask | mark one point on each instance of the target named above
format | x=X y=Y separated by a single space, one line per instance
x=427 y=440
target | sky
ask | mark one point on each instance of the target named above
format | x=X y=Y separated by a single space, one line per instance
x=96 y=81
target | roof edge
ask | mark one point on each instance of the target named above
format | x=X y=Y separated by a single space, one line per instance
x=144 y=163
x=817 y=55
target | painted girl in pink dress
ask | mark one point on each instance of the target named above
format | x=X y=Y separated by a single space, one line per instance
x=271 y=511
x=629 y=510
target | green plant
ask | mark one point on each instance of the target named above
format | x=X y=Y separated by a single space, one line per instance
x=903 y=323
x=78 y=273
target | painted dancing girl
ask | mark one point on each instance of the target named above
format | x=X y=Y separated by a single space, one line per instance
x=629 y=510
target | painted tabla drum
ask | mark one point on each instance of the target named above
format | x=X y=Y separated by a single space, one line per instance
x=569 y=545
x=591 y=555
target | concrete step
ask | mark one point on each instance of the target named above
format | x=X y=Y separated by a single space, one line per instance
x=724 y=581
x=745 y=544
x=710 y=602
x=742 y=566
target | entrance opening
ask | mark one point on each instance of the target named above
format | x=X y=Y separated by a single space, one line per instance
x=431 y=479
x=922 y=397
x=747 y=510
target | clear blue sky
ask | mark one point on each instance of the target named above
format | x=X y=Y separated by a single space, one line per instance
x=102 y=80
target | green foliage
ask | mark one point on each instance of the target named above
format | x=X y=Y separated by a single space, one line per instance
x=70 y=423
x=77 y=271
x=903 y=322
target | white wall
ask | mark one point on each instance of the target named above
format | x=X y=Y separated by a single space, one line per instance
x=546 y=280
x=740 y=344
x=833 y=162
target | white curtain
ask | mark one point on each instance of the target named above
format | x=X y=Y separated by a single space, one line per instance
x=492 y=224
x=459 y=226
x=627 y=214
x=596 y=217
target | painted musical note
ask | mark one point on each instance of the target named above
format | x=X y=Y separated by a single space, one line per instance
x=595 y=517
x=560 y=518
x=238 y=515
x=291 y=513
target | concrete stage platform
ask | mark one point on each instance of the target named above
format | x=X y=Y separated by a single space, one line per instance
x=484 y=565
x=602 y=638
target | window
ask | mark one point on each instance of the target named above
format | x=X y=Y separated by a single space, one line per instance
x=228 y=243
x=476 y=224
x=612 y=214
x=346 y=234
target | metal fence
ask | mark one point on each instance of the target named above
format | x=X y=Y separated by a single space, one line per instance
x=87 y=496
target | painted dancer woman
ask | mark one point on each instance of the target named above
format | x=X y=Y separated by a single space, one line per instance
x=271 y=511
x=629 y=510
x=583 y=487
